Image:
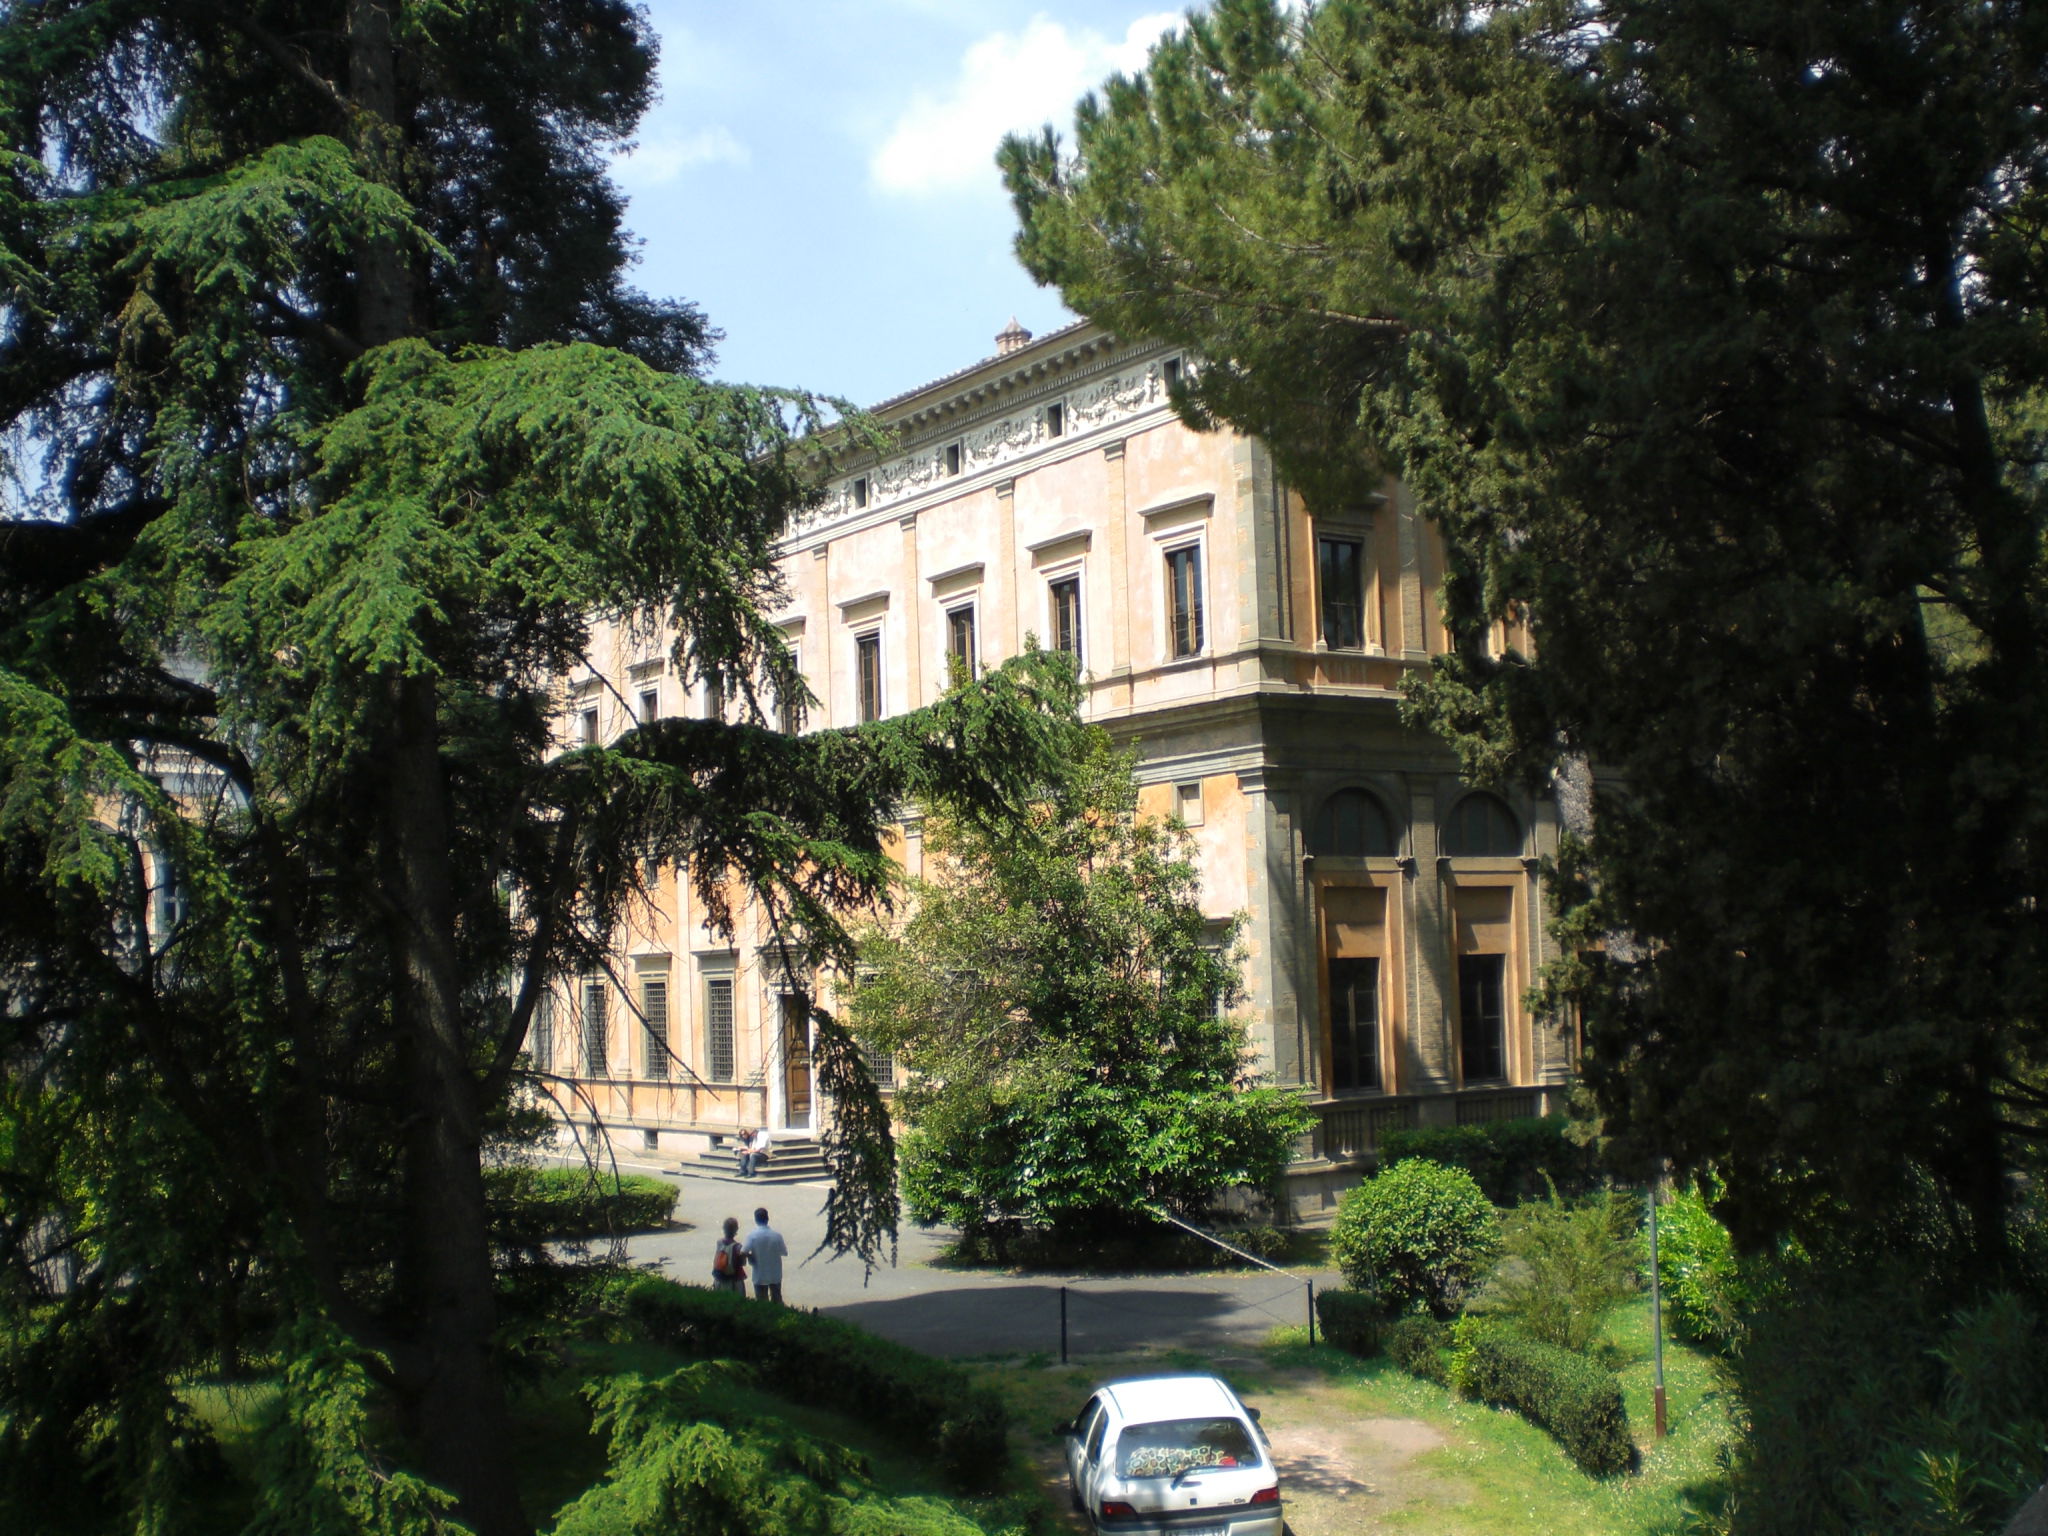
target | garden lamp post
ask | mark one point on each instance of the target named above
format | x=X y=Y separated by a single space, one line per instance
x=1656 y=1310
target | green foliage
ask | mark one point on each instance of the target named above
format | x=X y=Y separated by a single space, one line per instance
x=346 y=431
x=1775 y=517
x=1875 y=1401
x=683 y=1460
x=1562 y=1392
x=1060 y=1005
x=540 y=1205
x=324 y=1476
x=1420 y=1346
x=1351 y=1320
x=1418 y=1234
x=1566 y=1266
x=928 y=1405
x=1510 y=1159
x=1705 y=1292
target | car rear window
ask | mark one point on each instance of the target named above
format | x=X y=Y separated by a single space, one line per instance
x=1173 y=1446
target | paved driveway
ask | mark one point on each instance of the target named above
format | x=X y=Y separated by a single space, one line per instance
x=973 y=1312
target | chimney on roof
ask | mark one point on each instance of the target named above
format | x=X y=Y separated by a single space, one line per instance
x=1011 y=337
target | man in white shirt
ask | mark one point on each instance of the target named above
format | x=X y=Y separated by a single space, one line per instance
x=754 y=1151
x=767 y=1249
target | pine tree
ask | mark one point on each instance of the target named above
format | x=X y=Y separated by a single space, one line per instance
x=334 y=424
x=1712 y=336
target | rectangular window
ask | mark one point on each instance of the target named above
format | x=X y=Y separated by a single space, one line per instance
x=718 y=1028
x=1170 y=371
x=1184 y=591
x=1187 y=803
x=860 y=492
x=1354 y=1024
x=595 y=1063
x=868 y=650
x=952 y=458
x=654 y=1023
x=790 y=714
x=1055 y=420
x=1482 y=1015
x=1066 y=616
x=960 y=647
x=540 y=1045
x=1340 y=579
x=881 y=1066
x=586 y=728
x=650 y=706
x=714 y=699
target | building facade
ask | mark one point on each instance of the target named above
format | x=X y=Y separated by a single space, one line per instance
x=1251 y=648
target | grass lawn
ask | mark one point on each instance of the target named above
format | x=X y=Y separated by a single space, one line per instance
x=1378 y=1450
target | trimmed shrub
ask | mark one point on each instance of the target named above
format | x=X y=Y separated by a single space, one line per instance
x=929 y=1406
x=1510 y=1159
x=1419 y=1233
x=542 y=1205
x=1351 y=1321
x=1575 y=1401
x=1418 y=1345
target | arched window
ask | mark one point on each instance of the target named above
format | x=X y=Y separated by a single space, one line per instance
x=1351 y=825
x=1481 y=827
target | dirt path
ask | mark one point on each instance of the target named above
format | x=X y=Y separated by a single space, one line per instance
x=1339 y=1474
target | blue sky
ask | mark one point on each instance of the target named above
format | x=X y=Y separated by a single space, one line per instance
x=819 y=175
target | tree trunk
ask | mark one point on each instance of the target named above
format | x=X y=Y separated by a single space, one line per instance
x=449 y=1379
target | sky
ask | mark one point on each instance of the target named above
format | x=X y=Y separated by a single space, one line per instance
x=819 y=175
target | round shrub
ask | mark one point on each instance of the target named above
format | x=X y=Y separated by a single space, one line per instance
x=1418 y=1234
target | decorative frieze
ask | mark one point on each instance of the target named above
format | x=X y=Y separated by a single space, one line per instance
x=1110 y=399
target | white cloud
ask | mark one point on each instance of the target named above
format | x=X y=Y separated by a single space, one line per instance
x=663 y=157
x=1008 y=81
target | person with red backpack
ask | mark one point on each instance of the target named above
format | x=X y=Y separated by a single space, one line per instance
x=729 y=1260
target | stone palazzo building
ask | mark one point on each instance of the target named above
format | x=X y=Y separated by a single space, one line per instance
x=1252 y=648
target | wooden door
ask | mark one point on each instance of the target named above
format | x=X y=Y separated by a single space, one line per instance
x=796 y=1063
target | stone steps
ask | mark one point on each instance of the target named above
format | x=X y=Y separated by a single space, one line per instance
x=792 y=1162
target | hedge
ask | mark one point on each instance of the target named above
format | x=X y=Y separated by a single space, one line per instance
x=1351 y=1320
x=929 y=1406
x=1508 y=1158
x=1573 y=1398
x=539 y=1205
x=1417 y=1344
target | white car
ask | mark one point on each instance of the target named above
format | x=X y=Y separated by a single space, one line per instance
x=1172 y=1456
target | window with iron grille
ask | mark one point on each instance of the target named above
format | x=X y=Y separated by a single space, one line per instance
x=1340 y=582
x=541 y=1046
x=868 y=653
x=1184 y=590
x=881 y=1066
x=960 y=646
x=1066 y=616
x=654 y=1023
x=594 y=1058
x=1482 y=1015
x=1354 y=1023
x=718 y=1057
